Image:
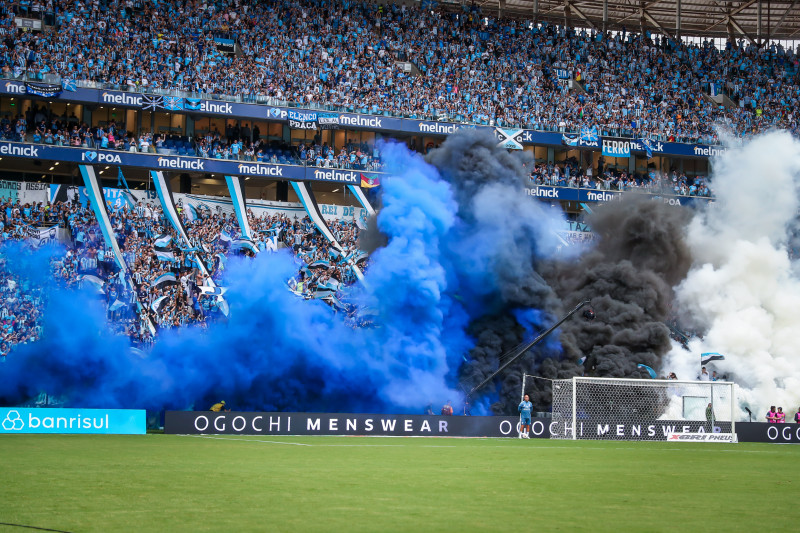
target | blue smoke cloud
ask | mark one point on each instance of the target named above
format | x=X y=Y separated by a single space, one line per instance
x=277 y=352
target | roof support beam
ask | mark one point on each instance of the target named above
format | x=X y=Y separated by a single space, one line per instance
x=758 y=24
x=580 y=13
x=655 y=23
x=728 y=13
x=735 y=25
x=678 y=20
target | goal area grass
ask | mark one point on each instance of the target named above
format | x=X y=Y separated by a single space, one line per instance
x=240 y=483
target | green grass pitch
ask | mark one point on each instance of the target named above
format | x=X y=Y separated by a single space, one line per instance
x=238 y=483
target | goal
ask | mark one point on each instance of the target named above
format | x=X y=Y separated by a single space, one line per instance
x=640 y=409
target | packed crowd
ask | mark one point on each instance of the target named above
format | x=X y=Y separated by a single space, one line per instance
x=468 y=67
x=605 y=178
x=170 y=283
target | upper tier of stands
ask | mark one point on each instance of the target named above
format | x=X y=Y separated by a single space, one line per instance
x=345 y=55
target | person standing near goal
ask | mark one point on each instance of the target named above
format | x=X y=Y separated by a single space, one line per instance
x=525 y=408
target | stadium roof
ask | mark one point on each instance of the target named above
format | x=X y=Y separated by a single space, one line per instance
x=751 y=20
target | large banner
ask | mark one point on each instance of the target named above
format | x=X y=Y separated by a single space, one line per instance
x=204 y=422
x=257 y=423
x=78 y=421
x=302 y=120
x=25 y=192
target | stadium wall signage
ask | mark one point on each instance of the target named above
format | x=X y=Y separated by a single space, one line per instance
x=571 y=194
x=256 y=423
x=247 y=423
x=178 y=163
x=381 y=123
x=764 y=432
x=18 y=420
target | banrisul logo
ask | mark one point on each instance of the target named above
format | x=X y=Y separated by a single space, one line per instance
x=13 y=421
x=75 y=421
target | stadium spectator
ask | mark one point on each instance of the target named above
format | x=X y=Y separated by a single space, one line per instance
x=780 y=416
x=772 y=416
x=704 y=375
x=447 y=409
x=710 y=417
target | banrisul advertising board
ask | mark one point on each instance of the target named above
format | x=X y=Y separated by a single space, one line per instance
x=16 y=420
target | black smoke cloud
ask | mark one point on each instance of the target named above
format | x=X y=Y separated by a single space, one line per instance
x=641 y=253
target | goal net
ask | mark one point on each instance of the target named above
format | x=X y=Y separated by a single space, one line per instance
x=640 y=409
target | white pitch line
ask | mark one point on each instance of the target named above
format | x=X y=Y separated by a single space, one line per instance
x=506 y=446
x=247 y=440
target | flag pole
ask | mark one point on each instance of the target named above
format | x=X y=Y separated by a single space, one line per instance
x=517 y=352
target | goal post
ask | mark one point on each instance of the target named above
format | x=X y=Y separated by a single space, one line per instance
x=640 y=409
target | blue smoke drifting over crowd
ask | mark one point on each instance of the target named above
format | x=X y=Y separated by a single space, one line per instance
x=455 y=251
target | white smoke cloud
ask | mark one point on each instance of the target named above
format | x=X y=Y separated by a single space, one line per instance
x=742 y=291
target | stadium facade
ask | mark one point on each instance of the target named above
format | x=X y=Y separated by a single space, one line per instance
x=184 y=118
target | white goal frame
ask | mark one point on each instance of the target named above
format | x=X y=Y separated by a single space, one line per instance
x=565 y=403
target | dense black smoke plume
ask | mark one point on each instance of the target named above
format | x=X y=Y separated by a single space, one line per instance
x=640 y=255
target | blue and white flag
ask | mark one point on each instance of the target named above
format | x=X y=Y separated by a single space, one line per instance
x=569 y=140
x=649 y=370
x=648 y=148
x=159 y=303
x=152 y=102
x=331 y=285
x=92 y=282
x=707 y=357
x=116 y=304
x=165 y=280
x=164 y=255
x=173 y=103
x=69 y=85
x=321 y=263
x=191 y=213
x=247 y=244
x=212 y=291
x=271 y=244
x=192 y=104
x=224 y=238
x=162 y=241
x=589 y=135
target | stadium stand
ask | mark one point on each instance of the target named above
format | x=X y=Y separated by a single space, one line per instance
x=475 y=69
x=359 y=57
x=166 y=284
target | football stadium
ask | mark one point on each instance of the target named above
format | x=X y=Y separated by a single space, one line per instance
x=399 y=265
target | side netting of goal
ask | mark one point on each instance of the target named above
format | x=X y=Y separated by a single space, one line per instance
x=640 y=409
